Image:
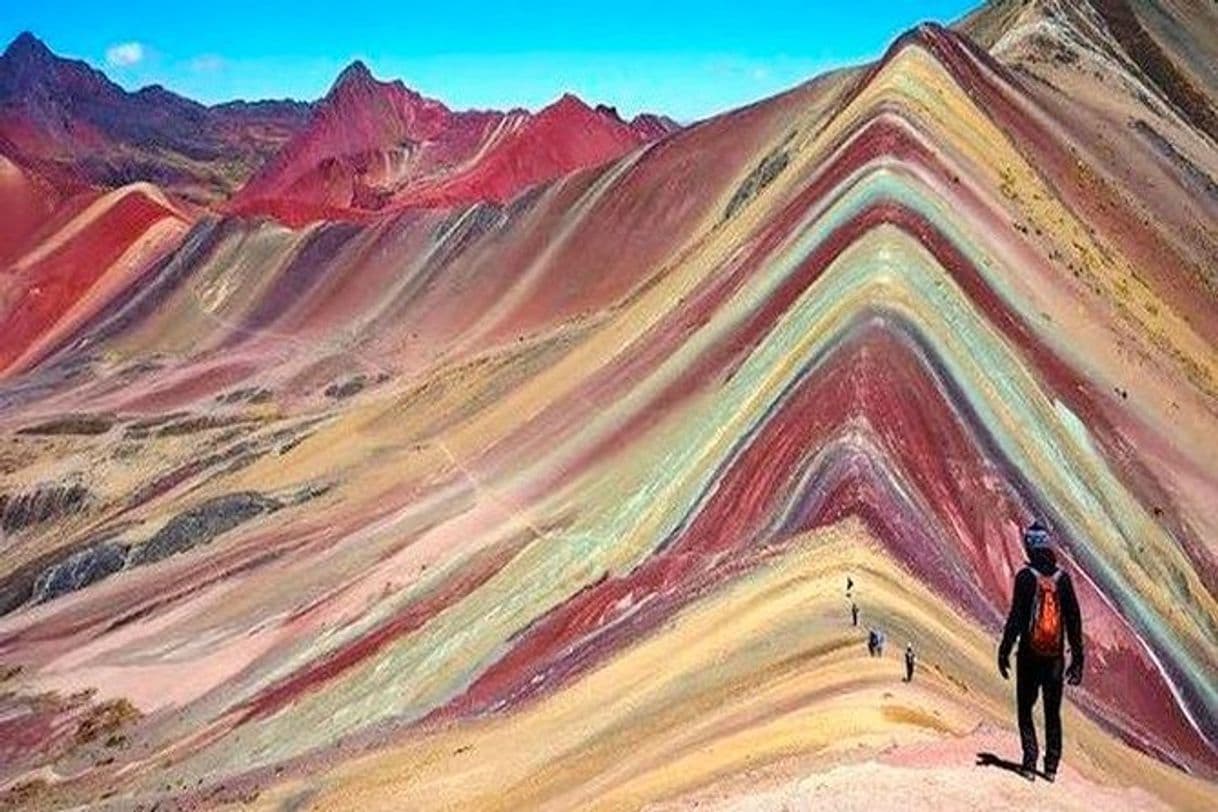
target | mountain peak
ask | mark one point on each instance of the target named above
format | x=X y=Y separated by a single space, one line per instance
x=653 y=125
x=26 y=46
x=610 y=111
x=567 y=104
x=31 y=69
x=355 y=73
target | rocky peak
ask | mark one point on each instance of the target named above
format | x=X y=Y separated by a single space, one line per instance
x=356 y=74
x=27 y=49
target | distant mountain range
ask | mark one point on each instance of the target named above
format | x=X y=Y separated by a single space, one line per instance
x=371 y=145
x=65 y=120
x=365 y=146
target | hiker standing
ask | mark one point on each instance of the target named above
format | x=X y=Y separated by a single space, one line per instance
x=879 y=643
x=854 y=613
x=849 y=585
x=910 y=658
x=1044 y=609
x=873 y=642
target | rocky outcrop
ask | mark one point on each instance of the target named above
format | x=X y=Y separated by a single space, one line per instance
x=200 y=525
x=72 y=424
x=43 y=504
x=348 y=388
x=78 y=570
x=68 y=570
x=762 y=176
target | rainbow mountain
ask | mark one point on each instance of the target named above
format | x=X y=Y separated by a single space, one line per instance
x=548 y=500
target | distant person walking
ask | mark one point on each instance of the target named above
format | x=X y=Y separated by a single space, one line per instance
x=910 y=660
x=854 y=613
x=879 y=643
x=873 y=642
x=1044 y=610
x=849 y=585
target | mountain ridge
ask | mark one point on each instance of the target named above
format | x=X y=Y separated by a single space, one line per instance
x=374 y=146
x=67 y=122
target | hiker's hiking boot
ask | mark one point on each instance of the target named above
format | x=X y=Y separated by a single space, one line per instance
x=1050 y=773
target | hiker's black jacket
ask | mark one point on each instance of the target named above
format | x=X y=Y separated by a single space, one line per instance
x=1020 y=616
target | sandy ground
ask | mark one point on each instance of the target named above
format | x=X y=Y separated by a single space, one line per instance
x=933 y=777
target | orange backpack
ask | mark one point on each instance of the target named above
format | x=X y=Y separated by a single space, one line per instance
x=1045 y=632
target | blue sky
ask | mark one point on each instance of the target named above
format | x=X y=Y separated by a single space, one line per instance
x=682 y=58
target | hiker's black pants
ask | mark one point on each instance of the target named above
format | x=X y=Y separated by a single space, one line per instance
x=1040 y=675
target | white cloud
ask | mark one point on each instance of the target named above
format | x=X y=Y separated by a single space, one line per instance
x=207 y=63
x=124 y=54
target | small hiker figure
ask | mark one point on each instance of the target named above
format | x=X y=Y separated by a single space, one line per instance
x=854 y=613
x=879 y=643
x=873 y=642
x=910 y=659
x=1044 y=609
x=849 y=585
